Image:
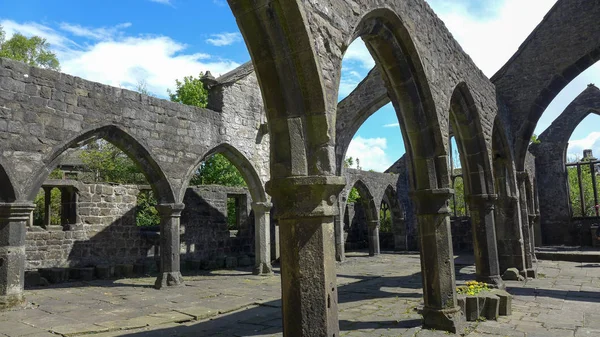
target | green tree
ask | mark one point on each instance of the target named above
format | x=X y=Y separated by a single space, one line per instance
x=109 y=164
x=458 y=205
x=217 y=170
x=34 y=51
x=385 y=218
x=348 y=162
x=588 y=190
x=55 y=203
x=353 y=196
x=146 y=213
x=190 y=92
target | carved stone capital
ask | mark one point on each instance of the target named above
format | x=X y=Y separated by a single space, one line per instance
x=433 y=201
x=522 y=176
x=16 y=211
x=170 y=210
x=484 y=201
x=262 y=207
x=308 y=196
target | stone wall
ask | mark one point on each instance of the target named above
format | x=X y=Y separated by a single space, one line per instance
x=43 y=113
x=107 y=234
x=205 y=235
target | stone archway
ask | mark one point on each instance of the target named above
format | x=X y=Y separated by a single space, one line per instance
x=399 y=230
x=167 y=207
x=371 y=214
x=551 y=173
x=261 y=205
x=509 y=233
x=478 y=180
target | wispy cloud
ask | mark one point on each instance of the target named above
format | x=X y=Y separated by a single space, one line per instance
x=112 y=57
x=392 y=125
x=221 y=3
x=576 y=146
x=164 y=2
x=224 y=39
x=370 y=152
x=101 y=33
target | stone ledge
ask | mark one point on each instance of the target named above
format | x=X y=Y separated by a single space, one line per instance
x=488 y=304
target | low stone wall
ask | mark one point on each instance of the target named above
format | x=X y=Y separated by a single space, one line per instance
x=205 y=234
x=106 y=232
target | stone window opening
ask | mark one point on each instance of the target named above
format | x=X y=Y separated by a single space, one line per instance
x=56 y=206
x=237 y=212
x=583 y=186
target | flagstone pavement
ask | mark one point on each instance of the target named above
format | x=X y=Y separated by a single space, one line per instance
x=378 y=296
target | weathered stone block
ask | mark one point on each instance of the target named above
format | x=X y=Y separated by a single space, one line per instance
x=505 y=302
x=32 y=278
x=104 y=272
x=472 y=309
x=124 y=271
x=245 y=261
x=55 y=275
x=231 y=262
x=512 y=274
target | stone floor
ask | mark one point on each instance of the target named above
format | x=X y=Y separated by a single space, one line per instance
x=378 y=297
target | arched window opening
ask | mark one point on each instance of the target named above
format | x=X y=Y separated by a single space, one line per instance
x=221 y=215
x=583 y=169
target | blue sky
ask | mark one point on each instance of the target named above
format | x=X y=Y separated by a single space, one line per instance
x=124 y=42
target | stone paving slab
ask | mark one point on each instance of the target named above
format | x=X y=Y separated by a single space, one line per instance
x=378 y=296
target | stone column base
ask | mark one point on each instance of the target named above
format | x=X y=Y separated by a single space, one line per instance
x=451 y=320
x=494 y=280
x=11 y=301
x=264 y=269
x=529 y=273
x=171 y=279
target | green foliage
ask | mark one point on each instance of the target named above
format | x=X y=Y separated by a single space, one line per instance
x=142 y=88
x=232 y=214
x=353 y=196
x=458 y=202
x=385 y=219
x=109 y=164
x=190 y=92
x=535 y=139
x=146 y=212
x=588 y=190
x=217 y=170
x=33 y=51
x=348 y=162
x=55 y=203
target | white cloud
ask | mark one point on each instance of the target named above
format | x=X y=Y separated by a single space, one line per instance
x=576 y=147
x=358 y=52
x=164 y=2
x=224 y=39
x=111 y=57
x=392 y=125
x=370 y=152
x=492 y=39
x=102 y=33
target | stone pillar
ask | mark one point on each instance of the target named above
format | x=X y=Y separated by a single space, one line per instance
x=532 y=219
x=511 y=252
x=340 y=251
x=275 y=251
x=485 y=247
x=437 y=260
x=306 y=207
x=47 y=207
x=529 y=270
x=262 y=235
x=169 y=274
x=13 y=226
x=374 y=248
